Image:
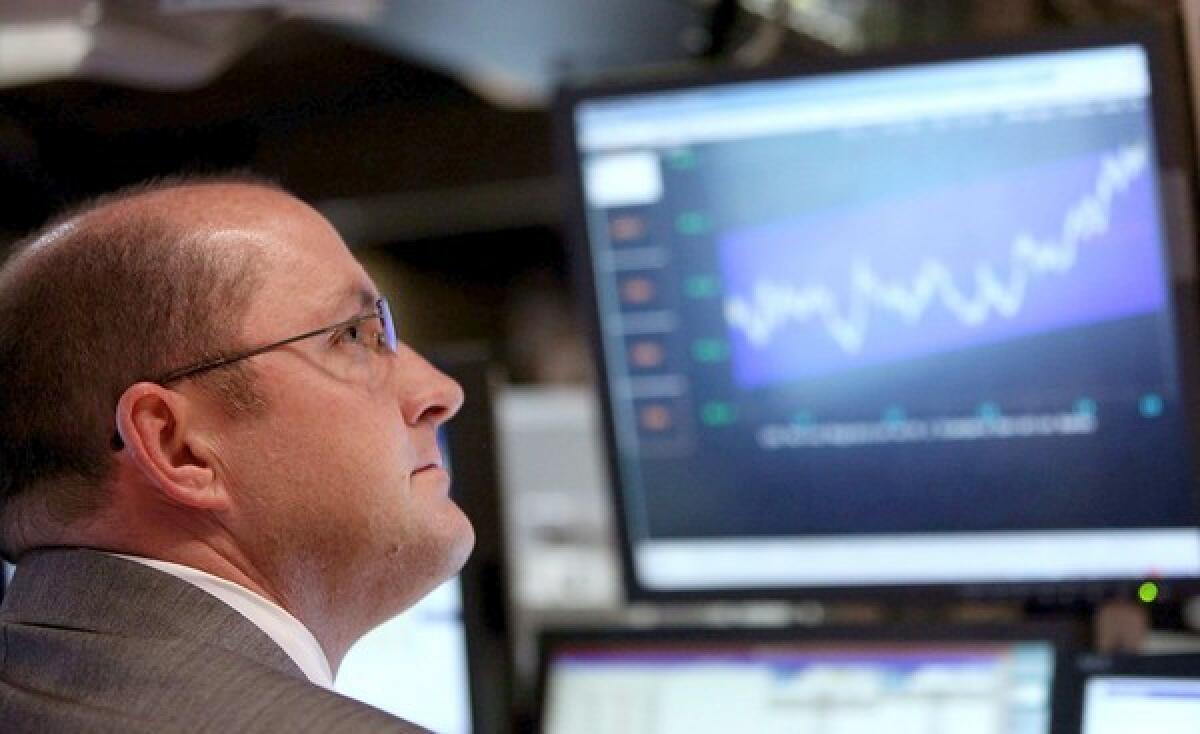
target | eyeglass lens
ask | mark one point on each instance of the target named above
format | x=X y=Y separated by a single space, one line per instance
x=389 y=326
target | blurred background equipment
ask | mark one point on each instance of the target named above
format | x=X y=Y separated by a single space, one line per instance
x=880 y=324
x=800 y=679
x=1127 y=692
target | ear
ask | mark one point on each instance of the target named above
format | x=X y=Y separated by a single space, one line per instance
x=162 y=439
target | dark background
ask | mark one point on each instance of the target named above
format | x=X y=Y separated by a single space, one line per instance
x=421 y=129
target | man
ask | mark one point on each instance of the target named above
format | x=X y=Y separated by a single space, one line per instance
x=218 y=469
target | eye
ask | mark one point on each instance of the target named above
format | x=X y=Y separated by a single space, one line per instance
x=352 y=334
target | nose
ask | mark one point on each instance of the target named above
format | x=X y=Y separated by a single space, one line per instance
x=427 y=394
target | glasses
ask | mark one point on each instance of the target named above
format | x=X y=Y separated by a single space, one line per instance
x=349 y=331
x=383 y=340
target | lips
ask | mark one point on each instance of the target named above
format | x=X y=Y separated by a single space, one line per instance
x=435 y=464
x=433 y=475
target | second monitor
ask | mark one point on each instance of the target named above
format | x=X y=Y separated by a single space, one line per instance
x=852 y=681
x=891 y=323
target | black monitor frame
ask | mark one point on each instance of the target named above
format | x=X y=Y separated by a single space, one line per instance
x=470 y=438
x=1066 y=640
x=1167 y=665
x=1174 y=144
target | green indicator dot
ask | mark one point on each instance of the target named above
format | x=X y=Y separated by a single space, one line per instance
x=1085 y=406
x=718 y=414
x=692 y=223
x=1148 y=592
x=681 y=160
x=701 y=286
x=803 y=418
x=989 y=411
x=710 y=350
x=1151 y=406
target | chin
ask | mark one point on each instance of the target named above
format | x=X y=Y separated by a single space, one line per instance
x=436 y=552
x=465 y=546
x=458 y=546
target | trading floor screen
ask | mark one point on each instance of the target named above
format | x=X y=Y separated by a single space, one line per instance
x=842 y=688
x=415 y=665
x=1114 y=705
x=898 y=325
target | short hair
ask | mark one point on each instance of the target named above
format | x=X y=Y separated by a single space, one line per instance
x=90 y=305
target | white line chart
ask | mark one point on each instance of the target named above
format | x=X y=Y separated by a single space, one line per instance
x=989 y=292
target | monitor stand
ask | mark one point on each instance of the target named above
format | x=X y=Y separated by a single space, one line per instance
x=1120 y=625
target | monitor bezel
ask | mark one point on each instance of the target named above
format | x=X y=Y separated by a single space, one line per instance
x=1173 y=145
x=1181 y=665
x=471 y=440
x=1066 y=639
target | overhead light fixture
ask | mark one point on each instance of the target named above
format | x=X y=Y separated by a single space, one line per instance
x=835 y=22
x=36 y=52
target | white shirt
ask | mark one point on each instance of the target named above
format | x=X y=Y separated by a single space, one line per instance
x=275 y=622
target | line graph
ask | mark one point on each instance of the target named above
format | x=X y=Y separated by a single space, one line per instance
x=945 y=269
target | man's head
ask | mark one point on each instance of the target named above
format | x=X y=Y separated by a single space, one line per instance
x=311 y=470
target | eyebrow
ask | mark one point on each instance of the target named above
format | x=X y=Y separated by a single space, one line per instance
x=365 y=297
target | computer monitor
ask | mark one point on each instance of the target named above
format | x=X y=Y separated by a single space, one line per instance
x=415 y=665
x=893 y=323
x=1159 y=693
x=444 y=664
x=847 y=681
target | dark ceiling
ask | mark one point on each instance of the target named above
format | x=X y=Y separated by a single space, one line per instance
x=325 y=115
x=390 y=150
x=339 y=121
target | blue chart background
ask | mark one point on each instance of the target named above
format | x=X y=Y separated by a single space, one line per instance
x=1103 y=332
x=961 y=227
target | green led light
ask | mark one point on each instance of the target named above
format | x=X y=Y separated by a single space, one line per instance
x=718 y=414
x=710 y=350
x=692 y=223
x=701 y=286
x=682 y=160
x=1151 y=405
x=1148 y=592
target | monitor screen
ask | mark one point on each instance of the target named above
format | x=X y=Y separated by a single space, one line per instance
x=716 y=684
x=415 y=666
x=1153 y=693
x=898 y=324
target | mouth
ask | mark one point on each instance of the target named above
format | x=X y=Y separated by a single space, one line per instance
x=435 y=463
x=434 y=475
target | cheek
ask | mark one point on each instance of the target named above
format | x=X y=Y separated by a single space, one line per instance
x=335 y=432
x=331 y=462
x=353 y=465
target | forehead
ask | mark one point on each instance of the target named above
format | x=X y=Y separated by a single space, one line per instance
x=307 y=272
x=304 y=273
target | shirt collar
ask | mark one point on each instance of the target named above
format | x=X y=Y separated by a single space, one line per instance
x=286 y=631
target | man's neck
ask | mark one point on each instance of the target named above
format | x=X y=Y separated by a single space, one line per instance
x=297 y=596
x=289 y=633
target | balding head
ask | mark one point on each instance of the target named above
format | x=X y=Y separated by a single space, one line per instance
x=316 y=481
x=123 y=289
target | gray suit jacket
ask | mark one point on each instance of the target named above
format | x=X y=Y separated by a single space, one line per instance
x=93 y=643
